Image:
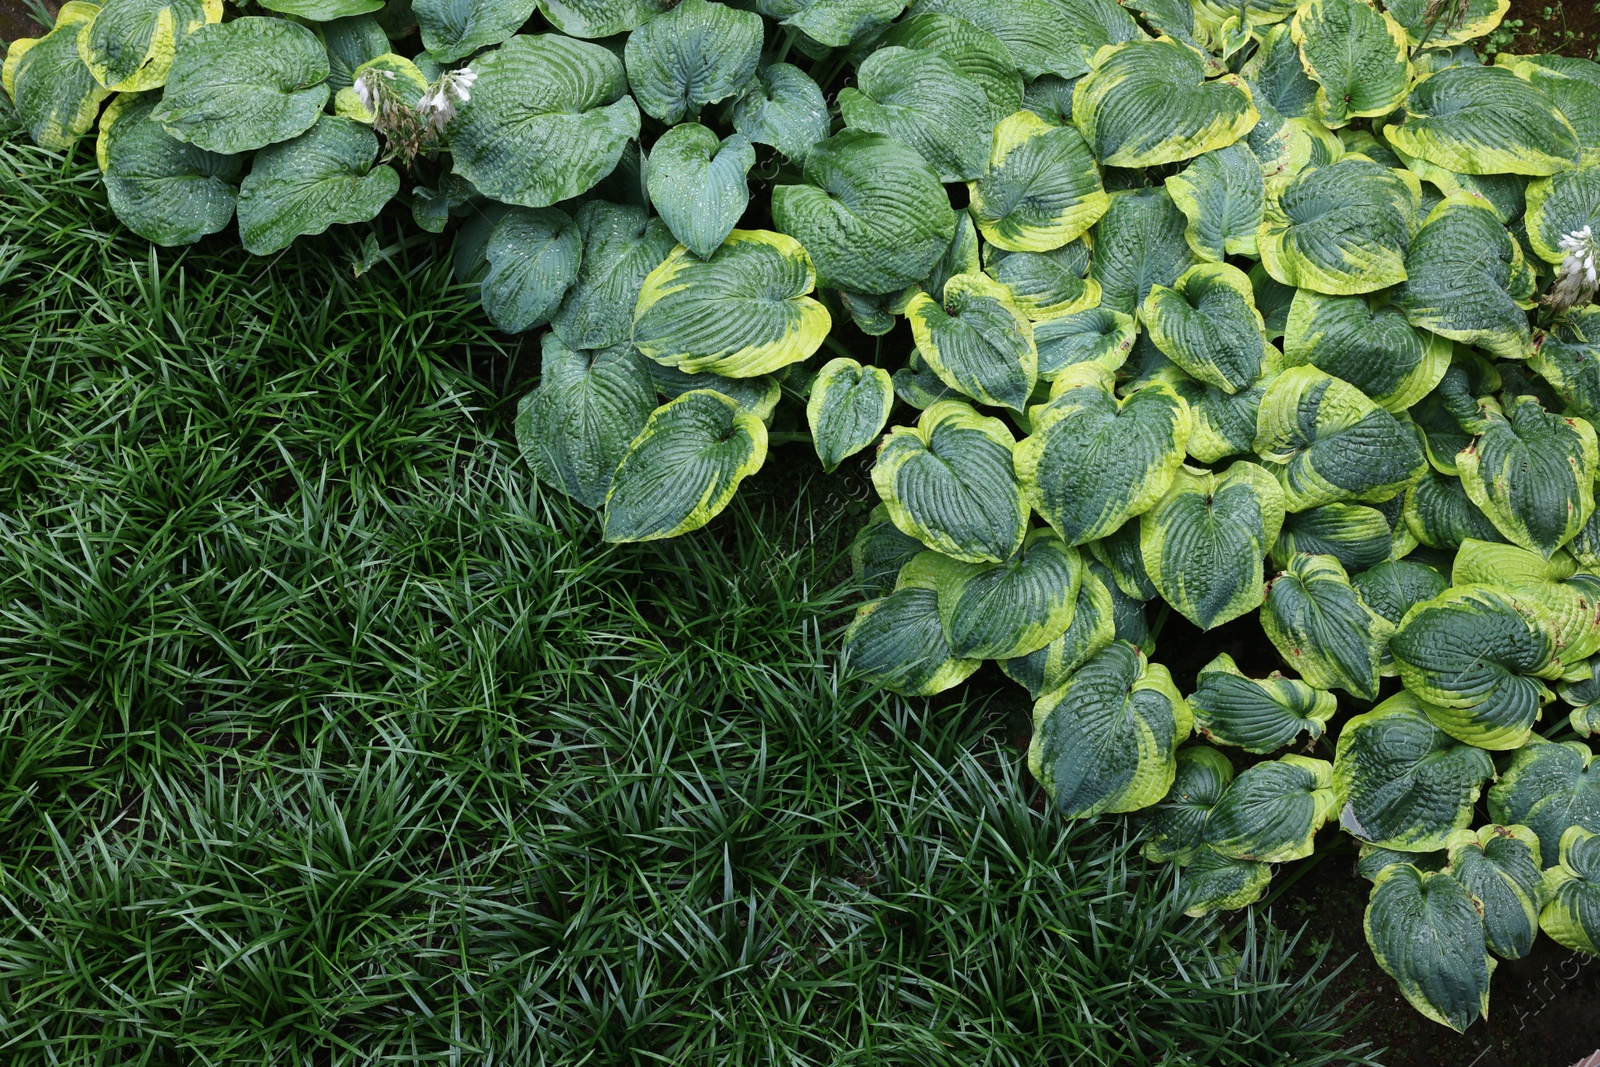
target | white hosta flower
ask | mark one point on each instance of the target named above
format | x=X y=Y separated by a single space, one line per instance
x=366 y=87
x=1575 y=278
x=438 y=104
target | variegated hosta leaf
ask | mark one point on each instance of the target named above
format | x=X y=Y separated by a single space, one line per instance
x=1425 y=932
x=1096 y=335
x=1121 y=553
x=1568 y=602
x=962 y=257
x=755 y=396
x=741 y=313
x=1572 y=84
x=240 y=85
x=847 y=409
x=1224 y=424
x=872 y=213
x=600 y=18
x=977 y=340
x=1272 y=811
x=1041 y=188
x=1203 y=541
x=1372 y=860
x=160 y=188
x=1571 y=915
x=784 y=108
x=1148 y=102
x=897 y=642
x=880 y=550
x=574 y=429
x=834 y=23
x=1357 y=536
x=697 y=184
x=1476 y=20
x=534 y=255
x=352 y=41
x=1093 y=627
x=1321 y=627
x=1257 y=714
x=323 y=177
x=948 y=482
x=1533 y=474
x=1138 y=243
x=1106 y=741
x=1394 y=587
x=975 y=52
x=1214 y=882
x=1276 y=76
x=1549 y=787
x=55 y=94
x=404 y=76
x=1566 y=201
x=1046 y=285
x=1484 y=120
x=1568 y=359
x=1357 y=55
x=1499 y=866
x=1476 y=655
x=1044 y=36
x=1366 y=341
x=1327 y=442
x=683 y=468
x=698 y=53
x=1465 y=277
x=1007 y=610
x=1177 y=824
x=1207 y=324
x=1129 y=621
x=621 y=245
x=323 y=10
x=454 y=29
x=129 y=46
x=1583 y=693
x=549 y=117
x=1339 y=229
x=1505 y=193
x=1094 y=462
x=1439 y=513
x=920 y=97
x=1221 y=194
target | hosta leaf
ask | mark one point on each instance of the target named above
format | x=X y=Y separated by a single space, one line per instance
x=977 y=340
x=847 y=409
x=834 y=23
x=1007 y=610
x=1533 y=474
x=160 y=188
x=921 y=98
x=1328 y=442
x=129 y=46
x=1358 y=537
x=1138 y=243
x=1549 y=787
x=1094 y=462
x=1203 y=541
x=784 y=108
x=1093 y=627
x=975 y=52
x=1499 y=866
x=1356 y=54
x=324 y=176
x=880 y=550
x=697 y=184
x=1475 y=655
x=948 y=482
x=1121 y=553
x=1475 y=19
x=621 y=245
x=600 y=18
x=1568 y=602
x=1097 y=335
x=1050 y=97
x=1041 y=188
x=1366 y=341
x=1484 y=120
x=1568 y=359
x=1147 y=102
x=683 y=467
x=897 y=642
x=574 y=429
x=755 y=396
x=1340 y=229
x=1583 y=693
x=1277 y=77
x=1257 y=714
x=872 y=213
x=1505 y=193
x=1177 y=824
x=962 y=257
x=1208 y=325
x=1425 y=932
x=1214 y=882
x=323 y=10
x=1321 y=627
x=1371 y=860
x=1272 y=810
x=239 y=85
x=1221 y=194
x=534 y=255
x=403 y=76
x=1106 y=741
x=1129 y=621
x=351 y=42
x=1044 y=36
x=454 y=29
x=1560 y=204
x=55 y=94
x=1273 y=300
x=1046 y=285
x=1439 y=513
x=549 y=117
x=698 y=53
x=1571 y=915
x=1224 y=423
x=1572 y=84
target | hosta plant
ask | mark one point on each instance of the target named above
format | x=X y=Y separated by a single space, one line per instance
x=1268 y=310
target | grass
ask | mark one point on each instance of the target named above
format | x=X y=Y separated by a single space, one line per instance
x=328 y=738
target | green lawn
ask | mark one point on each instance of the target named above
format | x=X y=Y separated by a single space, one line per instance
x=327 y=737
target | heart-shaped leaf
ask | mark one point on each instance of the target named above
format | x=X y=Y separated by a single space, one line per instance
x=1041 y=188
x=1474 y=119
x=1177 y=824
x=1549 y=786
x=534 y=255
x=1272 y=811
x=1439 y=513
x=160 y=188
x=1572 y=888
x=1465 y=276
x=1096 y=335
x=898 y=642
x=1093 y=627
x=1257 y=714
x=1532 y=473
x=1214 y=882
x=1208 y=325
x=847 y=409
x=1340 y=229
x=697 y=184
x=1046 y=285
x=1366 y=341
x=1045 y=36
x=454 y=29
x=975 y=52
x=696 y=54
x=1394 y=587
x=835 y=23
x=1356 y=54
x=977 y=340
x=1321 y=627
x=1568 y=602
x=784 y=108
x=1009 y=609
x=921 y=98
x=129 y=46
x=1425 y=932
x=1221 y=194
x=1357 y=536
x=621 y=246
x=600 y=18
x=1499 y=866
x=323 y=177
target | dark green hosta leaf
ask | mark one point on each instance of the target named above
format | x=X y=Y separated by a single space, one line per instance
x=977 y=340
x=1177 y=824
x=1208 y=325
x=160 y=188
x=1571 y=915
x=1121 y=553
x=324 y=176
x=698 y=53
x=240 y=85
x=784 y=108
x=1095 y=335
x=1549 y=787
x=872 y=213
x=948 y=481
x=350 y=43
x=697 y=184
x=921 y=98
x=1276 y=76
x=1425 y=932
x=1505 y=193
x=880 y=550
x=834 y=23
x=1050 y=97
x=1583 y=693
x=454 y=29
x=1138 y=243
x=1568 y=359
x=1484 y=120
x=1214 y=882
x=1339 y=229
x=1044 y=36
x=1106 y=741
x=1273 y=300
x=130 y=44
x=55 y=94
x=1439 y=513
x=549 y=117
x=1257 y=714
x=1573 y=85
x=1129 y=620
x=1093 y=627
x=534 y=255
x=898 y=642
x=1568 y=602
x=961 y=257
x=1203 y=541
x=1465 y=278
x=847 y=409
x=621 y=245
x=1476 y=20
x=1221 y=194
x=1046 y=285
x=1094 y=462
x=1499 y=866
x=1558 y=205
x=1041 y=188
x=1328 y=442
x=683 y=467
x=1533 y=474
x=1477 y=654
x=1224 y=423
x=1322 y=628
x=755 y=396
x=1272 y=811
x=975 y=52
x=600 y=18
x=323 y=10
x=1010 y=609
x=1372 y=860
x=1394 y=587
x=1148 y=102
x=574 y=429
x=1358 y=537
x=1366 y=341
x=1356 y=54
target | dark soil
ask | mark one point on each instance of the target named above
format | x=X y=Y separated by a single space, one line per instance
x=16 y=19
x=1570 y=27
